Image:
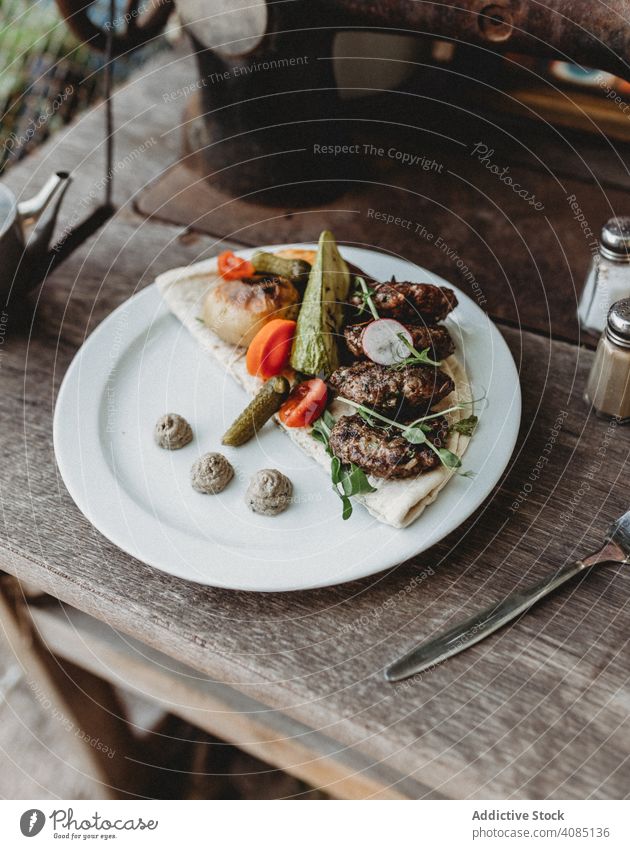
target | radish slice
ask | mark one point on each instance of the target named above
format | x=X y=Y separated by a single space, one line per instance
x=382 y=343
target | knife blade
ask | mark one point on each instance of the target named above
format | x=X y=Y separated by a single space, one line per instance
x=481 y=625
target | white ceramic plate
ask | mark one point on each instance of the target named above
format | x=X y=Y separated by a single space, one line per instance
x=140 y=363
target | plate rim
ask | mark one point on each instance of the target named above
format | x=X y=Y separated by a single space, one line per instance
x=67 y=473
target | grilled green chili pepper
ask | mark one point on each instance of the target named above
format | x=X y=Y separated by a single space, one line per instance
x=321 y=316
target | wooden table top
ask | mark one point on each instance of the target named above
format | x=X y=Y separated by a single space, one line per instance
x=539 y=710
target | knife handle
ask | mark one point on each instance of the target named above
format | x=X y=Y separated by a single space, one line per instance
x=478 y=627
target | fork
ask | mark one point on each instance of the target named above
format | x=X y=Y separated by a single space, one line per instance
x=615 y=549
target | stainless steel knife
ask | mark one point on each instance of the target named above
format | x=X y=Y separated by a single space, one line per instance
x=616 y=549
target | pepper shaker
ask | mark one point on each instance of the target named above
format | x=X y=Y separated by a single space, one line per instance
x=608 y=385
x=608 y=278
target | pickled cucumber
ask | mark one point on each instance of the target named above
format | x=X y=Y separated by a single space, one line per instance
x=259 y=410
x=297 y=270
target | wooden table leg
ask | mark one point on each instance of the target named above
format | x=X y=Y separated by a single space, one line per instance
x=85 y=704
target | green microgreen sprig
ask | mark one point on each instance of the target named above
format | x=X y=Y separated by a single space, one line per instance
x=415 y=433
x=465 y=426
x=347 y=479
x=365 y=294
x=417 y=358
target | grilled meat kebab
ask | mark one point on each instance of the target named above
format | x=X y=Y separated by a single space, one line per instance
x=392 y=390
x=382 y=453
x=411 y=301
x=434 y=337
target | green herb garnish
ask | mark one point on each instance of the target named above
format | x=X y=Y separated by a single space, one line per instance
x=322 y=427
x=366 y=296
x=415 y=433
x=466 y=426
x=347 y=479
x=417 y=358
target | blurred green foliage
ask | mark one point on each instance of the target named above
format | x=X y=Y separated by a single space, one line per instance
x=46 y=74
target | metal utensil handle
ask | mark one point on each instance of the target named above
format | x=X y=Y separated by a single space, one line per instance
x=478 y=627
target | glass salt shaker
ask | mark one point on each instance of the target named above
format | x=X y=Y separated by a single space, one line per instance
x=608 y=278
x=608 y=385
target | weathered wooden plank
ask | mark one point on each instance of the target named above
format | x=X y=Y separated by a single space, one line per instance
x=48 y=684
x=317 y=656
x=218 y=709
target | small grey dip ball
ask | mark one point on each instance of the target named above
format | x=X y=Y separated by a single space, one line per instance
x=269 y=492
x=172 y=431
x=211 y=473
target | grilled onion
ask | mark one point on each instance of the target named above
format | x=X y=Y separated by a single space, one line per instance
x=236 y=309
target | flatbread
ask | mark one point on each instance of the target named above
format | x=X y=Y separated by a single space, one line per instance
x=395 y=502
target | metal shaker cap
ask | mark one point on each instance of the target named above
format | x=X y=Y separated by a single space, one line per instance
x=615 y=238
x=618 y=328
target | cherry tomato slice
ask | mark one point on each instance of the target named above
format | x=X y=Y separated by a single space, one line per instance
x=305 y=404
x=232 y=267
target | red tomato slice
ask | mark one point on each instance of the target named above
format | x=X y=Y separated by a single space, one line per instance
x=232 y=267
x=305 y=404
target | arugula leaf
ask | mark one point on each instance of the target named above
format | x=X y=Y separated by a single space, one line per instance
x=346 y=483
x=466 y=426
